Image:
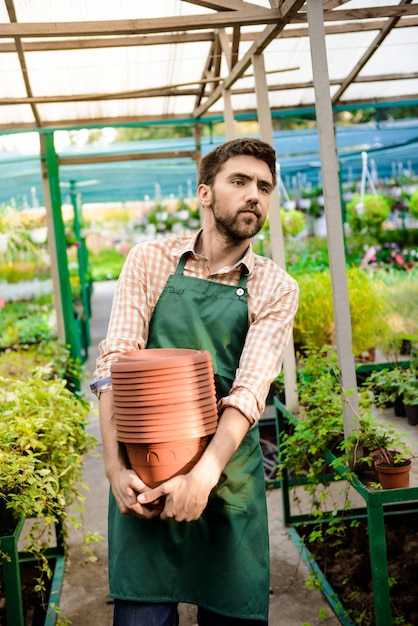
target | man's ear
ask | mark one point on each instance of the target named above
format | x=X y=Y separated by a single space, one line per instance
x=204 y=193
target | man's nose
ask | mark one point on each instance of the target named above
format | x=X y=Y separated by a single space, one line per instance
x=252 y=192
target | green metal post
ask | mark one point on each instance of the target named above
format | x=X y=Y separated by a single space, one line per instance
x=82 y=256
x=51 y=164
x=379 y=563
x=11 y=577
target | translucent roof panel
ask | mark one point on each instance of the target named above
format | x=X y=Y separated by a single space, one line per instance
x=87 y=63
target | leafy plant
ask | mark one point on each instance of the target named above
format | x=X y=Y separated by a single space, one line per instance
x=367 y=212
x=413 y=203
x=13 y=237
x=293 y=222
x=386 y=385
x=106 y=264
x=314 y=321
x=321 y=461
x=26 y=323
x=319 y=427
x=49 y=359
x=43 y=440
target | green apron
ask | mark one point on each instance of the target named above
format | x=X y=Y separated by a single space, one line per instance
x=220 y=561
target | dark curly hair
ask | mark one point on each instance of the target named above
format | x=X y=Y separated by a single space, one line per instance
x=212 y=162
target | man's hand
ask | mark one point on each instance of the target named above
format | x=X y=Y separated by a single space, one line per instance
x=185 y=497
x=126 y=485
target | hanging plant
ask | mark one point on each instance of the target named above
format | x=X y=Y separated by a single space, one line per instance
x=293 y=222
x=367 y=212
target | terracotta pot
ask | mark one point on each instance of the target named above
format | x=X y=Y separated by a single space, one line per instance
x=167 y=435
x=160 y=428
x=180 y=409
x=161 y=358
x=158 y=354
x=158 y=420
x=181 y=396
x=129 y=382
x=156 y=463
x=189 y=433
x=393 y=476
x=125 y=370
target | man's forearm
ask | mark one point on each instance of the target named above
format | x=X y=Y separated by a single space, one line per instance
x=113 y=452
x=232 y=428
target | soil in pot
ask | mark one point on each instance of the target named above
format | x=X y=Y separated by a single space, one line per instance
x=393 y=476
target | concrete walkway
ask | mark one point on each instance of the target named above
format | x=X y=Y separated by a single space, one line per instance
x=84 y=597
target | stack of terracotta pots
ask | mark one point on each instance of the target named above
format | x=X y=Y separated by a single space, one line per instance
x=165 y=409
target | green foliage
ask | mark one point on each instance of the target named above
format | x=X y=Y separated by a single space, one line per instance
x=293 y=222
x=314 y=321
x=367 y=296
x=106 y=264
x=172 y=131
x=319 y=424
x=413 y=203
x=311 y=255
x=16 y=238
x=318 y=430
x=42 y=443
x=24 y=271
x=389 y=384
x=51 y=359
x=367 y=212
x=401 y=289
x=27 y=323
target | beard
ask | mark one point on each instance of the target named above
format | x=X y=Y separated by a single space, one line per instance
x=240 y=226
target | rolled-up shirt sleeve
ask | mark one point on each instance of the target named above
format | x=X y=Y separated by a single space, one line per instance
x=273 y=302
x=137 y=291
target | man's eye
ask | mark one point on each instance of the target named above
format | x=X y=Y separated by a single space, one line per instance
x=238 y=182
x=265 y=189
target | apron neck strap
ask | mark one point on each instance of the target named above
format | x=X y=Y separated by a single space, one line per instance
x=183 y=260
x=182 y=263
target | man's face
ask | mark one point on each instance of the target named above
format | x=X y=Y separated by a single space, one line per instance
x=240 y=197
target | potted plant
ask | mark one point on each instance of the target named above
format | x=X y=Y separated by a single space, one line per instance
x=397 y=386
x=410 y=395
x=318 y=427
x=368 y=212
x=293 y=222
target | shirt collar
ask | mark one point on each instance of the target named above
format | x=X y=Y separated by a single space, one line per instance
x=247 y=259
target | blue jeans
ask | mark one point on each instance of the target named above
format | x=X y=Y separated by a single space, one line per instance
x=142 y=614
